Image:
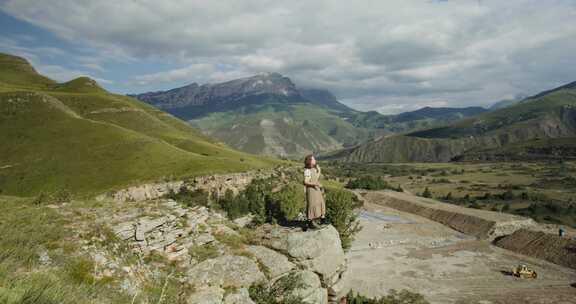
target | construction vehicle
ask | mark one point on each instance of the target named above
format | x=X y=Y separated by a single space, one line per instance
x=522 y=271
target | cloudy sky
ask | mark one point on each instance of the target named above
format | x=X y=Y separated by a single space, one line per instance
x=385 y=55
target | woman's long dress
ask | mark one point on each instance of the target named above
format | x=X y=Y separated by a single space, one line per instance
x=315 y=205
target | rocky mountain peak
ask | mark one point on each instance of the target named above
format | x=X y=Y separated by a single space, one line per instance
x=263 y=83
x=222 y=93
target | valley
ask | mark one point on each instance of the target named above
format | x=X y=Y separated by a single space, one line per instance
x=396 y=249
x=543 y=191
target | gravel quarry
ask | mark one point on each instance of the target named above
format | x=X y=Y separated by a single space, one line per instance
x=401 y=250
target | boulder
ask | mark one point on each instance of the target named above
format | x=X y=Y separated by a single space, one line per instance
x=276 y=263
x=311 y=291
x=207 y=295
x=318 y=296
x=226 y=271
x=318 y=250
x=241 y=296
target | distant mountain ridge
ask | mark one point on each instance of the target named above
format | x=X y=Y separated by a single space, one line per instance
x=508 y=102
x=268 y=114
x=439 y=113
x=548 y=115
x=194 y=98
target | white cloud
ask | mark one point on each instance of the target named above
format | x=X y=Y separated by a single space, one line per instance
x=374 y=54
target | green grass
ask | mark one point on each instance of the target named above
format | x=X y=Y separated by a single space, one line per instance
x=549 y=186
x=77 y=136
x=29 y=231
x=43 y=258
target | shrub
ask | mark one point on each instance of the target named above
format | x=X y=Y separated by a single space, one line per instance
x=340 y=205
x=279 y=293
x=234 y=205
x=370 y=183
x=257 y=193
x=427 y=193
x=189 y=198
x=402 y=297
x=58 y=197
x=203 y=252
x=285 y=204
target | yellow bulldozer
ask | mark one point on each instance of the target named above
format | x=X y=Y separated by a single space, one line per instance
x=522 y=271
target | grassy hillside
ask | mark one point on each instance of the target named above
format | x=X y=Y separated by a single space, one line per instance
x=77 y=136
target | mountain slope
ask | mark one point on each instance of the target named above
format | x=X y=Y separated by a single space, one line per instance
x=268 y=114
x=79 y=137
x=551 y=114
x=264 y=114
x=508 y=102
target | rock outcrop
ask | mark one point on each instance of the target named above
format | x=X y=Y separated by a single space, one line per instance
x=167 y=228
x=226 y=271
x=318 y=252
x=217 y=184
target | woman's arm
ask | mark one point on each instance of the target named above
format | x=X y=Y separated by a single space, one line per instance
x=307 y=178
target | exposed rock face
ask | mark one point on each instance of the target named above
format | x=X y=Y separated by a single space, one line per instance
x=207 y=295
x=276 y=263
x=319 y=252
x=167 y=228
x=226 y=271
x=241 y=296
x=217 y=184
x=225 y=92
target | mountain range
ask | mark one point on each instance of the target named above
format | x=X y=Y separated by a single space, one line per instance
x=76 y=135
x=268 y=114
x=540 y=126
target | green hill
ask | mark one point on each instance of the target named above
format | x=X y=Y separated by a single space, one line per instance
x=77 y=136
x=17 y=72
x=549 y=115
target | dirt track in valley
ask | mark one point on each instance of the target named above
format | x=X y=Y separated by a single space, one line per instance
x=401 y=250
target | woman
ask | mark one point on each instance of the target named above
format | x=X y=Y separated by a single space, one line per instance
x=315 y=206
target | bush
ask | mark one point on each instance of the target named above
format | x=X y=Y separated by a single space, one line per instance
x=279 y=293
x=189 y=198
x=257 y=193
x=58 y=197
x=402 y=297
x=285 y=204
x=340 y=205
x=427 y=193
x=370 y=183
x=203 y=252
x=234 y=205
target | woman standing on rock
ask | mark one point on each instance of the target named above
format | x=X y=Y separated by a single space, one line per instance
x=315 y=206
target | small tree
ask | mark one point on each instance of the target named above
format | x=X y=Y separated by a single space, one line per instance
x=340 y=206
x=427 y=193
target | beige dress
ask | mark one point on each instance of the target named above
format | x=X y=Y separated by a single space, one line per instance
x=315 y=206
